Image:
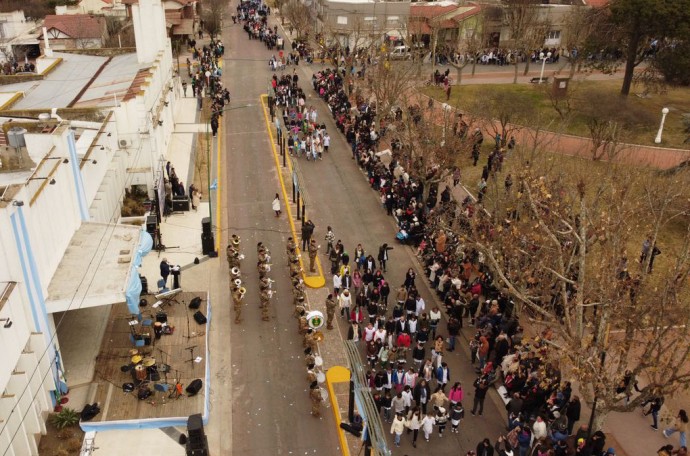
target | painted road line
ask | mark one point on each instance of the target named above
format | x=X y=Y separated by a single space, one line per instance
x=316 y=281
x=338 y=374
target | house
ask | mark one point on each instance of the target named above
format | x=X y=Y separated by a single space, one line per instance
x=104 y=7
x=357 y=23
x=443 y=23
x=180 y=16
x=75 y=31
x=16 y=39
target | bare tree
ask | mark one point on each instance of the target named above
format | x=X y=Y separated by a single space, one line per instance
x=579 y=25
x=212 y=15
x=299 y=16
x=502 y=112
x=608 y=119
x=522 y=18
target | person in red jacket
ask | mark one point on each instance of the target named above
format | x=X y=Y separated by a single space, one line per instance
x=403 y=343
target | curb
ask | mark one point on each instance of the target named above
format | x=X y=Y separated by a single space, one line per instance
x=312 y=281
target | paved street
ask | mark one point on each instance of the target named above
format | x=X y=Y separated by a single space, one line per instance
x=270 y=404
x=270 y=407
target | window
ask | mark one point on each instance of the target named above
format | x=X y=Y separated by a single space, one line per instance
x=392 y=18
x=342 y=20
x=553 y=35
x=370 y=18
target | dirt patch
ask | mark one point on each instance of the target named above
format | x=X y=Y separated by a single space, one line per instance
x=61 y=442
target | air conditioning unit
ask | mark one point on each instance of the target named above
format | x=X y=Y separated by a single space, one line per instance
x=125 y=143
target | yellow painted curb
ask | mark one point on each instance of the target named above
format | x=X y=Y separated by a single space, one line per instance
x=12 y=100
x=337 y=374
x=316 y=281
x=216 y=246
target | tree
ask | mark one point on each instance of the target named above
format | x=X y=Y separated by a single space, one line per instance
x=212 y=15
x=567 y=253
x=522 y=18
x=579 y=24
x=635 y=23
x=390 y=83
x=502 y=112
x=299 y=16
x=608 y=118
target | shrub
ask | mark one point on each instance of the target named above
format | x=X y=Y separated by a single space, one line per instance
x=66 y=418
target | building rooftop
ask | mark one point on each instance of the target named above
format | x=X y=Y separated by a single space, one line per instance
x=79 y=81
x=78 y=283
x=76 y=25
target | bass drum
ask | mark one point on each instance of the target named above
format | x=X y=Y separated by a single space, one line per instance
x=315 y=319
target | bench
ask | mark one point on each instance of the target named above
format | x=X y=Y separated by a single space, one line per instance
x=539 y=80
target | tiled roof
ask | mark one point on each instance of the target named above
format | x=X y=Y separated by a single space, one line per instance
x=76 y=25
x=430 y=11
x=597 y=3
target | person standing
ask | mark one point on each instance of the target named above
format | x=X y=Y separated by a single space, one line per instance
x=344 y=301
x=313 y=251
x=383 y=255
x=307 y=231
x=330 y=311
x=316 y=398
x=573 y=408
x=413 y=423
x=397 y=428
x=330 y=237
x=276 y=205
x=165 y=271
x=480 y=389
x=427 y=425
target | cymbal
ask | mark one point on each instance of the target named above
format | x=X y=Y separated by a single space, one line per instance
x=148 y=361
x=136 y=359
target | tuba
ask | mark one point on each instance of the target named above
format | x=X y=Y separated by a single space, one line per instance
x=235 y=239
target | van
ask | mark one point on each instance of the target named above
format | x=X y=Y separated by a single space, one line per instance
x=400 y=53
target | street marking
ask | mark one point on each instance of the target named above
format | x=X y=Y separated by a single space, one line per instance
x=317 y=281
x=338 y=374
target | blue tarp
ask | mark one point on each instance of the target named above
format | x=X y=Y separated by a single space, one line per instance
x=133 y=292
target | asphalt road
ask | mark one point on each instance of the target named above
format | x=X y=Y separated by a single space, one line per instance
x=270 y=404
x=270 y=407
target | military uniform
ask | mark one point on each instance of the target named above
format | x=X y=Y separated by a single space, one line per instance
x=330 y=311
x=303 y=327
x=291 y=247
x=310 y=340
x=313 y=250
x=264 y=297
x=315 y=397
x=237 y=304
x=311 y=376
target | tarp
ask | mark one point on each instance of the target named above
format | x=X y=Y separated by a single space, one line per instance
x=133 y=292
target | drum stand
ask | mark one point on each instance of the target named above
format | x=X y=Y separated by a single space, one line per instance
x=191 y=355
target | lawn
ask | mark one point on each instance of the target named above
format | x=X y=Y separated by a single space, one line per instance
x=677 y=100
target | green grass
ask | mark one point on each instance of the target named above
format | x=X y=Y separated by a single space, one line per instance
x=676 y=99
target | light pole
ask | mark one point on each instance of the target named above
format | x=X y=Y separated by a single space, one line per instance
x=657 y=140
x=544 y=58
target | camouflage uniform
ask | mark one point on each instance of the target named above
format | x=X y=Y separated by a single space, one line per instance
x=264 y=298
x=313 y=250
x=315 y=397
x=331 y=305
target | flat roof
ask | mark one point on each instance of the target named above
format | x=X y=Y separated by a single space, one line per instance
x=95 y=267
x=113 y=82
x=76 y=73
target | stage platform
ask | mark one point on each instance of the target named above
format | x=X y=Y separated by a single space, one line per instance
x=183 y=354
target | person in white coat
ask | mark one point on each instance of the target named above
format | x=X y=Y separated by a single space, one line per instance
x=428 y=425
x=397 y=428
x=276 y=205
x=413 y=423
x=336 y=284
x=345 y=300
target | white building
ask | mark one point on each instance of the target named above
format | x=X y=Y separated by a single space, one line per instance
x=62 y=249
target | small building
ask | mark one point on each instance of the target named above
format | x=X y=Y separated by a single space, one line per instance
x=180 y=16
x=16 y=34
x=75 y=31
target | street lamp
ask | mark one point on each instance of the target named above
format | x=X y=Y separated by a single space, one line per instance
x=544 y=58
x=657 y=140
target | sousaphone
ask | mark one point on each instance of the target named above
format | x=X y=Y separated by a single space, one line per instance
x=235 y=272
